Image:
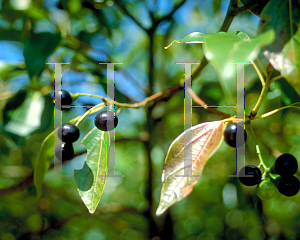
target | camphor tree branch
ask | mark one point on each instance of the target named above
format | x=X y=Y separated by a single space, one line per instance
x=125 y=10
x=202 y=103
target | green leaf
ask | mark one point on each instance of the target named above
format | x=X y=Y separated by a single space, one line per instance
x=198 y=37
x=44 y=161
x=10 y=35
x=290 y=62
x=258 y=8
x=220 y=50
x=283 y=54
x=37 y=49
x=27 y=117
x=91 y=179
x=206 y=139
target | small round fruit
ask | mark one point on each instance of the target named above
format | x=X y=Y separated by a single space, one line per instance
x=64 y=151
x=250 y=175
x=65 y=99
x=106 y=120
x=265 y=189
x=286 y=164
x=230 y=134
x=288 y=185
x=68 y=133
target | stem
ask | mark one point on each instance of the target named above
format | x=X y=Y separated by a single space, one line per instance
x=276 y=78
x=261 y=78
x=90 y=111
x=261 y=161
x=76 y=95
x=262 y=67
x=275 y=111
x=261 y=98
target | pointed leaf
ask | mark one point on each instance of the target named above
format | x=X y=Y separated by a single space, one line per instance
x=91 y=179
x=198 y=37
x=283 y=53
x=44 y=161
x=206 y=139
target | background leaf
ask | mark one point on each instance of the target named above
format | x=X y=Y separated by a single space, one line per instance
x=206 y=139
x=37 y=49
x=283 y=53
x=44 y=161
x=90 y=180
x=27 y=117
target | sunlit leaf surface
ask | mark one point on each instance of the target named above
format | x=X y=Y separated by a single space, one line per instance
x=205 y=140
x=92 y=177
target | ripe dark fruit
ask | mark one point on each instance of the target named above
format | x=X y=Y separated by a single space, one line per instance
x=250 y=175
x=64 y=151
x=230 y=134
x=286 y=164
x=288 y=185
x=68 y=133
x=66 y=99
x=106 y=120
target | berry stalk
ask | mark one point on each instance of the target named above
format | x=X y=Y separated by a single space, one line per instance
x=261 y=161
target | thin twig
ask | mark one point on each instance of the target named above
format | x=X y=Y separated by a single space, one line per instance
x=244 y=8
x=169 y=15
x=261 y=67
x=261 y=78
x=124 y=9
x=202 y=103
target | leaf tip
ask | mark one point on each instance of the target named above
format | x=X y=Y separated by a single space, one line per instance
x=91 y=211
x=160 y=210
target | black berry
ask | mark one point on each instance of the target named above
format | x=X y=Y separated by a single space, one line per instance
x=286 y=164
x=64 y=151
x=106 y=120
x=230 y=134
x=68 y=133
x=65 y=99
x=288 y=185
x=250 y=175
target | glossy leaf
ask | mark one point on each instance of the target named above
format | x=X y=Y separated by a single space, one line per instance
x=198 y=37
x=283 y=53
x=206 y=139
x=91 y=179
x=37 y=49
x=221 y=50
x=44 y=161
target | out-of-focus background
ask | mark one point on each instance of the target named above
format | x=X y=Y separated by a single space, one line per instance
x=86 y=32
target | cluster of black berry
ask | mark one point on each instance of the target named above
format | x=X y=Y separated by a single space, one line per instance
x=286 y=166
x=69 y=133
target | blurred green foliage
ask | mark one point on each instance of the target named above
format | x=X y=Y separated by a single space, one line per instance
x=135 y=33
